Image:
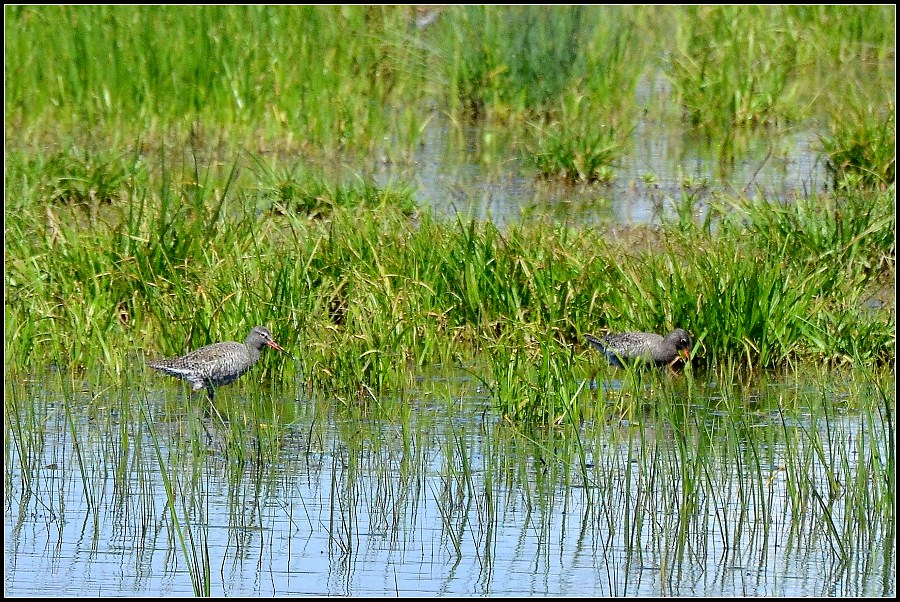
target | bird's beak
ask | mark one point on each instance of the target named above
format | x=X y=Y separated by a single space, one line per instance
x=275 y=345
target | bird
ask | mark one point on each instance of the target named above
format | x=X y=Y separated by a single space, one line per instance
x=218 y=364
x=643 y=347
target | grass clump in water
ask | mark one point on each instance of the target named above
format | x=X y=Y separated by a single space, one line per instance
x=506 y=60
x=860 y=150
x=733 y=66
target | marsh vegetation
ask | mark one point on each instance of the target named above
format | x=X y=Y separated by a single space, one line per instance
x=171 y=181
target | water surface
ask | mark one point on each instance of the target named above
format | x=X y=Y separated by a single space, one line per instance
x=448 y=501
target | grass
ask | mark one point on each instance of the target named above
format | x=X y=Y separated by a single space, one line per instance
x=860 y=150
x=365 y=286
x=335 y=81
x=174 y=196
x=734 y=66
x=179 y=66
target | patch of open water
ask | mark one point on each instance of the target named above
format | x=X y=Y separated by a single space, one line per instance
x=661 y=164
x=438 y=506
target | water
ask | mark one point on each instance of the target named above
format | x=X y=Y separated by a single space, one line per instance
x=448 y=503
x=662 y=162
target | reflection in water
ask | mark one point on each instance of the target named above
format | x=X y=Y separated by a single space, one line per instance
x=449 y=501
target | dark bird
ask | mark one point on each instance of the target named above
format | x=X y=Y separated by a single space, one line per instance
x=632 y=347
x=218 y=364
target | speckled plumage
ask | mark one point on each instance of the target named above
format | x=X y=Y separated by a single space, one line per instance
x=217 y=364
x=630 y=347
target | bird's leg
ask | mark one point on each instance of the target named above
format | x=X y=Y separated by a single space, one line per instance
x=209 y=437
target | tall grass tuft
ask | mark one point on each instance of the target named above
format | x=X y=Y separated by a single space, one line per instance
x=733 y=67
x=506 y=60
x=295 y=190
x=860 y=149
x=584 y=133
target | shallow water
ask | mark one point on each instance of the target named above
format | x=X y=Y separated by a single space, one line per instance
x=449 y=502
x=662 y=162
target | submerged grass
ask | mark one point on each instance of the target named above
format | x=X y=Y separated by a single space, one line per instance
x=188 y=527
x=797 y=476
x=659 y=471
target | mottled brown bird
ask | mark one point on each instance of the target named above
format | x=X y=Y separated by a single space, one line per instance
x=218 y=364
x=647 y=347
